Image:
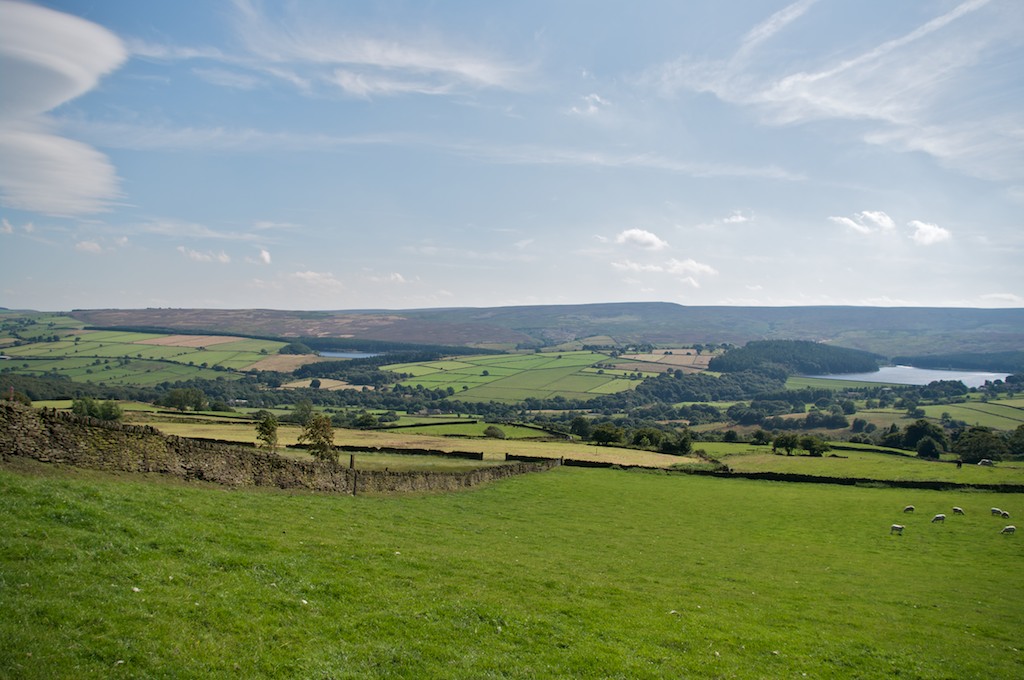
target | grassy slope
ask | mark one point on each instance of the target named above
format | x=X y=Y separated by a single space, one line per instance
x=573 y=573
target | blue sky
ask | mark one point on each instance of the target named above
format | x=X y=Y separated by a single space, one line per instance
x=355 y=155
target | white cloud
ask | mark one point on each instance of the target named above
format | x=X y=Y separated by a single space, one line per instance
x=641 y=238
x=847 y=222
x=5 y=227
x=179 y=229
x=867 y=222
x=393 y=277
x=877 y=217
x=737 y=217
x=198 y=256
x=320 y=281
x=48 y=58
x=231 y=79
x=926 y=234
x=90 y=247
x=689 y=266
x=593 y=104
x=630 y=266
x=1005 y=299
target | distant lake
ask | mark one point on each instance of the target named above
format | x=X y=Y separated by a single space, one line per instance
x=908 y=375
x=350 y=355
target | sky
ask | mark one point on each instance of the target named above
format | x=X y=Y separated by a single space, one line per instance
x=315 y=154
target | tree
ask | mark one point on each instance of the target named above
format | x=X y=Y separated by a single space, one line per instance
x=928 y=448
x=786 y=441
x=302 y=412
x=978 y=443
x=760 y=437
x=318 y=436
x=917 y=431
x=607 y=433
x=365 y=421
x=814 y=446
x=314 y=383
x=266 y=431
x=185 y=398
x=581 y=427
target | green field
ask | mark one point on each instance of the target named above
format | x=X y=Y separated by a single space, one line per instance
x=864 y=464
x=515 y=377
x=571 y=573
x=123 y=358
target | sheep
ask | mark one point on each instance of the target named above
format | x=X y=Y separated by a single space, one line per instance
x=1008 y=529
x=997 y=512
x=1005 y=514
x=958 y=511
x=938 y=518
x=909 y=508
x=896 y=529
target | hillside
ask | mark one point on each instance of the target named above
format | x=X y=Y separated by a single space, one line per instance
x=887 y=331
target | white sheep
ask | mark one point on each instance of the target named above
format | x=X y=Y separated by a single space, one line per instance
x=909 y=508
x=996 y=511
x=896 y=529
x=938 y=518
x=958 y=511
x=1008 y=529
x=1005 y=515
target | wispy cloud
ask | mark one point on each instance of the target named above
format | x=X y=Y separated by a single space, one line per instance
x=180 y=229
x=200 y=256
x=866 y=222
x=911 y=88
x=48 y=58
x=90 y=247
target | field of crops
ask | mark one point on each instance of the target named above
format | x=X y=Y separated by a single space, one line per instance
x=513 y=378
x=570 y=573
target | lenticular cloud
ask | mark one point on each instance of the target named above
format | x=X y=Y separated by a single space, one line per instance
x=48 y=58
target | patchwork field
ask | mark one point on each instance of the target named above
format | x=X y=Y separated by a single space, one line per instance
x=571 y=573
x=122 y=358
x=513 y=378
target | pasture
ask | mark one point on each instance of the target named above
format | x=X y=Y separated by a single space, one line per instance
x=515 y=377
x=123 y=358
x=863 y=464
x=570 y=573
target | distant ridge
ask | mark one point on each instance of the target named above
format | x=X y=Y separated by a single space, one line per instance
x=889 y=331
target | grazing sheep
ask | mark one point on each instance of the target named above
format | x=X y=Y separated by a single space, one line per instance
x=938 y=518
x=896 y=529
x=996 y=511
x=1005 y=515
x=909 y=508
x=1008 y=529
x=958 y=511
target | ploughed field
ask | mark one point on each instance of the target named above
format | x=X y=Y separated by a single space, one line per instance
x=569 y=573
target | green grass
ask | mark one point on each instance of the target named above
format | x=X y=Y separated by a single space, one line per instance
x=512 y=378
x=1001 y=415
x=122 y=358
x=863 y=464
x=572 y=573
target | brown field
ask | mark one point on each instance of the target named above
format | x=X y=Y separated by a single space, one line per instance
x=326 y=384
x=188 y=340
x=680 y=358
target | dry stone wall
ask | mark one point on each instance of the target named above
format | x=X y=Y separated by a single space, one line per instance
x=63 y=438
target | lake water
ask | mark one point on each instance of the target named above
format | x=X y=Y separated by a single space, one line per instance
x=350 y=355
x=908 y=375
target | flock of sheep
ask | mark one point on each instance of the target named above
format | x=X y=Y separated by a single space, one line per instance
x=1008 y=529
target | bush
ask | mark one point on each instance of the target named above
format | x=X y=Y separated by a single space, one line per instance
x=494 y=432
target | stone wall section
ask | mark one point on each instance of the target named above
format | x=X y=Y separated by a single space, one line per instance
x=63 y=438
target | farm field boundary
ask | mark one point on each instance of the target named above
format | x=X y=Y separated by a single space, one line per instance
x=63 y=438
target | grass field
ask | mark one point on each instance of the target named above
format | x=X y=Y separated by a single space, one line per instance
x=515 y=377
x=125 y=358
x=571 y=573
x=867 y=465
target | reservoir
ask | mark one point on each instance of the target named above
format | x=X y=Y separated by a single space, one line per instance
x=908 y=375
